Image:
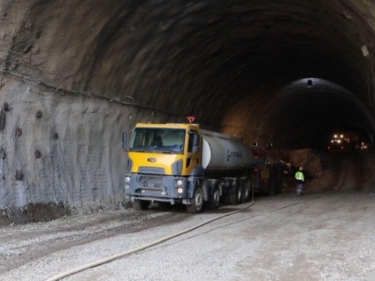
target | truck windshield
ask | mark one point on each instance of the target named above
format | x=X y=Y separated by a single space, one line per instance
x=160 y=140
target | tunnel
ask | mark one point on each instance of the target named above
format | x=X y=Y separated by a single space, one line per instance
x=75 y=75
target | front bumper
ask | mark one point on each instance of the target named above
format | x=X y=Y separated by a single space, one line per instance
x=158 y=188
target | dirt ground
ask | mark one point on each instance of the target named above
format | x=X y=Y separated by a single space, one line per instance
x=320 y=236
x=327 y=235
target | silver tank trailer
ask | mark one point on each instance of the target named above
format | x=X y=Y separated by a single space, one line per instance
x=224 y=152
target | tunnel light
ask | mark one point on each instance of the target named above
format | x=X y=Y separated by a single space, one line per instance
x=341 y=136
x=365 y=51
x=339 y=141
x=335 y=136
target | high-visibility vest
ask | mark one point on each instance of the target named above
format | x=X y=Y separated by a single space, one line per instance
x=300 y=176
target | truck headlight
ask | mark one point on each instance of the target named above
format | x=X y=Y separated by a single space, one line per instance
x=180 y=190
x=127 y=186
x=127 y=179
x=179 y=182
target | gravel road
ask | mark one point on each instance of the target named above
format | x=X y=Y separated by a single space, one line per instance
x=321 y=236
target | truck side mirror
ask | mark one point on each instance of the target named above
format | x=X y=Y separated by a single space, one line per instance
x=195 y=143
x=125 y=141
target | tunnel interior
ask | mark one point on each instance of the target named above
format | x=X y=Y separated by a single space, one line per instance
x=308 y=112
x=288 y=73
x=206 y=59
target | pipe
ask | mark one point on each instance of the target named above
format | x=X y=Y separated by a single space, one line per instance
x=156 y=242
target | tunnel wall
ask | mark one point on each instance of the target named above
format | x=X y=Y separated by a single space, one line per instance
x=61 y=148
x=94 y=68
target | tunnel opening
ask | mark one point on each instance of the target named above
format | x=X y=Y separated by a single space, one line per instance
x=305 y=113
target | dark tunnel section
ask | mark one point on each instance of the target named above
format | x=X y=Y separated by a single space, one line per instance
x=308 y=112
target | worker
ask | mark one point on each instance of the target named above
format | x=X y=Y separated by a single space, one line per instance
x=300 y=180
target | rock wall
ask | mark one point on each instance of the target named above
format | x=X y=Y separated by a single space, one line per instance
x=60 y=148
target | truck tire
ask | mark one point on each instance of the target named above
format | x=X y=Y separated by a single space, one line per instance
x=196 y=205
x=236 y=197
x=215 y=198
x=246 y=189
x=141 y=204
x=239 y=193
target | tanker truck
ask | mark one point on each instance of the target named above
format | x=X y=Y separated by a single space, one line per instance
x=183 y=164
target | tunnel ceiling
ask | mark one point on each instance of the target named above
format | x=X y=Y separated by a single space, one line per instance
x=224 y=61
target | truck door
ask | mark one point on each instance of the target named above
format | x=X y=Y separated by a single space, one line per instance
x=193 y=151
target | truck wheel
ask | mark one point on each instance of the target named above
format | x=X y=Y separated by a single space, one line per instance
x=235 y=198
x=246 y=191
x=239 y=194
x=215 y=198
x=141 y=204
x=196 y=202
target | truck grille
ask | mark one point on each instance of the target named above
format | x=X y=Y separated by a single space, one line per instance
x=151 y=170
x=150 y=181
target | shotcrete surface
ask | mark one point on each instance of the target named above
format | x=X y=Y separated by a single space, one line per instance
x=70 y=154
